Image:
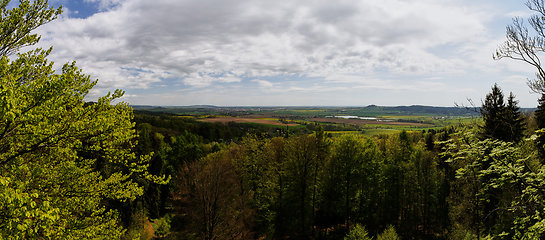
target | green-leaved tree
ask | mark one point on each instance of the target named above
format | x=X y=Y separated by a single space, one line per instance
x=62 y=160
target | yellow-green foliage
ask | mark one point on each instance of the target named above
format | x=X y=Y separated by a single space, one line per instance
x=310 y=110
x=61 y=159
x=358 y=233
x=388 y=234
x=186 y=117
x=271 y=119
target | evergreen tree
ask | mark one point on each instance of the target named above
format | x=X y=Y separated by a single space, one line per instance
x=540 y=112
x=540 y=120
x=388 y=234
x=493 y=110
x=358 y=233
x=502 y=121
x=515 y=121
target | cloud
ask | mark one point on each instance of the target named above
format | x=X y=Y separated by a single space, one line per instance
x=140 y=43
x=204 y=80
x=263 y=83
x=521 y=14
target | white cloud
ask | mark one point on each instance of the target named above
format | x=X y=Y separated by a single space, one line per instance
x=522 y=14
x=263 y=83
x=205 y=80
x=139 y=43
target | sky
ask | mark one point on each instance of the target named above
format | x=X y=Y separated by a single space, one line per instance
x=291 y=52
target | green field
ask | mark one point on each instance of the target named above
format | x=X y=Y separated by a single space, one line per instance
x=390 y=119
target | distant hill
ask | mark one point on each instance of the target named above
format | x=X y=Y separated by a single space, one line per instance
x=371 y=110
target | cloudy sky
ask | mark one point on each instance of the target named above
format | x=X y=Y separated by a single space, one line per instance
x=292 y=52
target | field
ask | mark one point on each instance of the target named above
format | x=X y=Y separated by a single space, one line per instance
x=370 y=120
x=226 y=120
x=360 y=122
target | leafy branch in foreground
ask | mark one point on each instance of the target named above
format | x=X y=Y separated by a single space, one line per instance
x=62 y=160
x=508 y=184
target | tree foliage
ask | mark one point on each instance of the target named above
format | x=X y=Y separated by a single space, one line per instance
x=17 y=23
x=515 y=119
x=388 y=234
x=502 y=120
x=216 y=204
x=358 y=233
x=540 y=120
x=62 y=160
x=540 y=112
x=350 y=175
x=506 y=184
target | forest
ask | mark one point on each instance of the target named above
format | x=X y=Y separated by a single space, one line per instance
x=460 y=182
x=71 y=168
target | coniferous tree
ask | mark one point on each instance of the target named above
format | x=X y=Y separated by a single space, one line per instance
x=515 y=121
x=502 y=121
x=493 y=110
x=540 y=120
x=540 y=112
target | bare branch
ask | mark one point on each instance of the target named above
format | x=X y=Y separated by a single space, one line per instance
x=527 y=46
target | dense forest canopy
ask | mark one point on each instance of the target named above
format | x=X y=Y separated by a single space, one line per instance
x=73 y=169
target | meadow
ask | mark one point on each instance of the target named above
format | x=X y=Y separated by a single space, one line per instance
x=372 y=120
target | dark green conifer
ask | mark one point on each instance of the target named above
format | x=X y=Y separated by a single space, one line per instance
x=540 y=112
x=540 y=120
x=502 y=121
x=515 y=120
x=492 y=111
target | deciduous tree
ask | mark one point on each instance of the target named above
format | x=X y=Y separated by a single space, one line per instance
x=212 y=196
x=61 y=159
x=527 y=45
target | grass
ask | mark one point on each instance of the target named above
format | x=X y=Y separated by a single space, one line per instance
x=405 y=127
x=365 y=132
x=338 y=133
x=375 y=132
x=270 y=119
x=405 y=120
x=185 y=116
x=309 y=110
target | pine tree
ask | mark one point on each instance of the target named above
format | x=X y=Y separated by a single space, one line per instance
x=540 y=120
x=540 y=112
x=514 y=120
x=493 y=110
x=502 y=121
